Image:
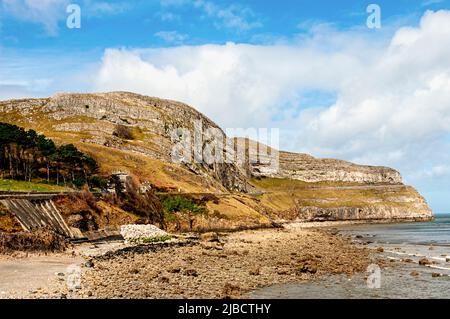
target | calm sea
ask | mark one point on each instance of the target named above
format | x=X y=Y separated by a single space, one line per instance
x=412 y=241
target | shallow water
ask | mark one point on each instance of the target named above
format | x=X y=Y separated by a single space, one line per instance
x=412 y=241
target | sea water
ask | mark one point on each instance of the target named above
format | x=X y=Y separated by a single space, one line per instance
x=405 y=243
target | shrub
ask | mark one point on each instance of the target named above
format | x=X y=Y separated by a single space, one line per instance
x=180 y=204
x=79 y=182
x=98 y=182
x=146 y=205
x=157 y=239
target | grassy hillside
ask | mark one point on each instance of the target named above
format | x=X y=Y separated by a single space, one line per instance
x=89 y=121
x=284 y=194
x=21 y=186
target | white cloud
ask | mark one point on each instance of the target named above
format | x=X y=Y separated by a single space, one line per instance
x=171 y=36
x=426 y=3
x=234 y=16
x=49 y=13
x=393 y=98
x=45 y=12
x=168 y=16
x=101 y=8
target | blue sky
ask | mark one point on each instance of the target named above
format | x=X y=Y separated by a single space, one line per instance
x=136 y=23
x=334 y=87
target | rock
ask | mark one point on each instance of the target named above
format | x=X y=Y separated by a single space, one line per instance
x=230 y=291
x=308 y=268
x=380 y=249
x=307 y=168
x=436 y=275
x=447 y=260
x=140 y=233
x=424 y=262
x=210 y=237
x=89 y=264
x=212 y=245
x=408 y=260
x=191 y=272
x=255 y=271
x=165 y=280
x=174 y=270
x=414 y=274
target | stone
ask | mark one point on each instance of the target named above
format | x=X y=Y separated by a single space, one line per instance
x=255 y=271
x=89 y=264
x=210 y=237
x=191 y=272
x=380 y=249
x=424 y=262
x=414 y=273
x=408 y=260
x=308 y=268
x=138 y=233
x=436 y=275
x=174 y=270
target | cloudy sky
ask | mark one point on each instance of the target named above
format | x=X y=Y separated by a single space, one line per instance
x=333 y=86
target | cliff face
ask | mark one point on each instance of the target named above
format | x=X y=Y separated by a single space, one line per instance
x=94 y=117
x=306 y=168
x=302 y=187
x=399 y=203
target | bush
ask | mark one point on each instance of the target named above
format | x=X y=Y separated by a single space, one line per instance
x=180 y=204
x=158 y=239
x=146 y=205
x=98 y=182
x=123 y=132
x=79 y=182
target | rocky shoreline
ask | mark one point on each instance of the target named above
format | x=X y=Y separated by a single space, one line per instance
x=226 y=266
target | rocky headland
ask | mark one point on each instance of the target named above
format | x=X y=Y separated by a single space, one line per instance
x=249 y=194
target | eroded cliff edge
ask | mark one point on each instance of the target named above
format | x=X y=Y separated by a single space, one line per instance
x=303 y=187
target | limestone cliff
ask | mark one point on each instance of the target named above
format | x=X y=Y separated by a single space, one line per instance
x=306 y=168
x=94 y=117
x=303 y=187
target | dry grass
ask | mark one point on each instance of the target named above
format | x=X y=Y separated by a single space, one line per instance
x=8 y=223
x=273 y=184
x=284 y=194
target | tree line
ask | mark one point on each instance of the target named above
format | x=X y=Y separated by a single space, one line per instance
x=27 y=155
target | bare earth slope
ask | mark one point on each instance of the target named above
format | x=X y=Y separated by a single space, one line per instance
x=304 y=187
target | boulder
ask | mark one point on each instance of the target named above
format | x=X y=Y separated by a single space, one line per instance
x=424 y=262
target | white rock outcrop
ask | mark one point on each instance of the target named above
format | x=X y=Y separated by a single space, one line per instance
x=141 y=233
